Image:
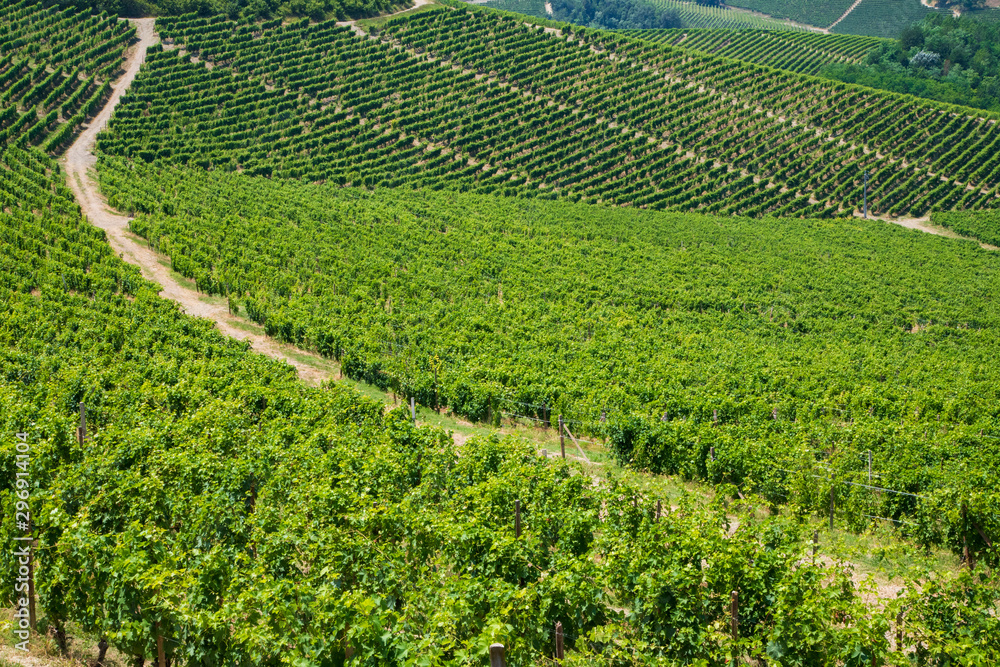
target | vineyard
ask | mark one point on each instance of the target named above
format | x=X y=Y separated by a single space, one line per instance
x=984 y=225
x=491 y=306
x=528 y=7
x=210 y=504
x=801 y=52
x=55 y=65
x=883 y=18
x=632 y=123
x=694 y=15
x=820 y=14
x=450 y=207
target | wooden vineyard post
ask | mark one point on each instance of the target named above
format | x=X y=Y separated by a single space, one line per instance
x=899 y=630
x=562 y=438
x=970 y=559
x=965 y=538
x=659 y=509
x=559 y=641
x=815 y=544
x=711 y=453
x=81 y=430
x=496 y=656
x=545 y=415
x=734 y=614
x=831 y=504
x=517 y=518
x=982 y=534
x=348 y=649
x=413 y=410
x=583 y=454
x=161 y=654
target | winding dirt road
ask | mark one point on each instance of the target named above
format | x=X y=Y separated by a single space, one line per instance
x=79 y=162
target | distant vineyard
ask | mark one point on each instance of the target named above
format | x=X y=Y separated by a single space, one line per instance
x=529 y=7
x=55 y=66
x=694 y=15
x=801 y=52
x=521 y=112
x=819 y=13
x=883 y=18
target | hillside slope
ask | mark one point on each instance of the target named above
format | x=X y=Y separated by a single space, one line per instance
x=748 y=337
x=212 y=509
x=801 y=52
x=820 y=13
x=55 y=67
x=524 y=112
x=691 y=14
x=883 y=18
x=187 y=500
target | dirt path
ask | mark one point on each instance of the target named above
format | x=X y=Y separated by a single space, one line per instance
x=955 y=11
x=925 y=225
x=416 y=3
x=79 y=162
x=844 y=15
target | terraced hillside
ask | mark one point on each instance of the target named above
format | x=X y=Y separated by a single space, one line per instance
x=883 y=18
x=694 y=15
x=820 y=13
x=525 y=112
x=691 y=14
x=801 y=52
x=55 y=68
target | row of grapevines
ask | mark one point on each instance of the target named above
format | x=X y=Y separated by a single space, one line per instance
x=720 y=17
x=628 y=124
x=63 y=37
x=862 y=121
x=55 y=72
x=220 y=506
x=396 y=132
x=984 y=225
x=885 y=18
x=801 y=52
x=819 y=14
x=812 y=345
